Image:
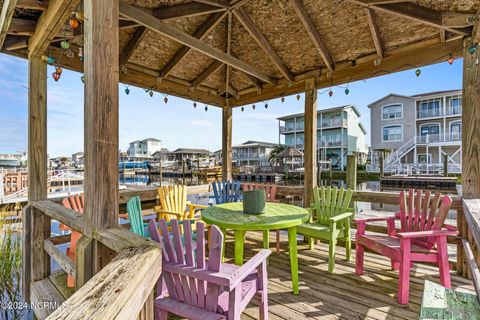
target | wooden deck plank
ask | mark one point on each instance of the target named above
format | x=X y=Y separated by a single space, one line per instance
x=342 y=295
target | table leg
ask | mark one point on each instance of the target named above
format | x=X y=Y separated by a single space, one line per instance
x=266 y=239
x=292 y=245
x=239 y=243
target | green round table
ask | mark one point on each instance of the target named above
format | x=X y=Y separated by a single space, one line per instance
x=277 y=216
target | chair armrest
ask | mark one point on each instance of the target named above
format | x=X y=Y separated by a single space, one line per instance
x=342 y=216
x=360 y=220
x=423 y=234
x=242 y=272
x=158 y=209
x=197 y=206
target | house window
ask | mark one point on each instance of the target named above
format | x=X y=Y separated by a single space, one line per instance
x=424 y=158
x=455 y=105
x=392 y=133
x=430 y=108
x=394 y=111
x=429 y=129
x=456 y=131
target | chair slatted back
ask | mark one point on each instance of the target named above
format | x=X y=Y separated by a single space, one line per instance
x=330 y=202
x=174 y=199
x=134 y=210
x=75 y=202
x=226 y=191
x=270 y=189
x=420 y=212
x=187 y=255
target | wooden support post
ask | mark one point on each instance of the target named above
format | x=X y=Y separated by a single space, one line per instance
x=37 y=167
x=101 y=122
x=382 y=173
x=445 y=165
x=352 y=172
x=470 y=125
x=227 y=143
x=310 y=139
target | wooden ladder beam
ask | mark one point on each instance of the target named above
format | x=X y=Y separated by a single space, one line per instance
x=149 y=21
x=257 y=35
x=312 y=31
x=6 y=15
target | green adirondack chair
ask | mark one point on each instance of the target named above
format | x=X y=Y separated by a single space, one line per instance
x=134 y=209
x=330 y=218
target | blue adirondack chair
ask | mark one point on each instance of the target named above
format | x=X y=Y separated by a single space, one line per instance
x=226 y=191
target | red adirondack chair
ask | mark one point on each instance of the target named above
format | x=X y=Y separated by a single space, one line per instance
x=200 y=288
x=422 y=238
x=270 y=192
x=76 y=203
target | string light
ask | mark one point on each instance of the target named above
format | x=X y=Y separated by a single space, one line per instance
x=127 y=90
x=50 y=60
x=195 y=105
x=82 y=78
x=206 y=107
x=165 y=99
x=253 y=107
x=65 y=44
x=418 y=72
x=330 y=93
x=450 y=59
x=473 y=48
x=298 y=97
x=282 y=99
x=242 y=109
x=266 y=105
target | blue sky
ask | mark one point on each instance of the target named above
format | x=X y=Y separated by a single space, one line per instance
x=177 y=123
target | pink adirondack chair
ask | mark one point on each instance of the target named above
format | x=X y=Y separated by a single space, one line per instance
x=270 y=192
x=422 y=238
x=194 y=287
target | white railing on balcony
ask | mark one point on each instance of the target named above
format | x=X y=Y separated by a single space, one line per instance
x=330 y=143
x=431 y=113
x=436 y=138
x=335 y=122
x=424 y=168
x=454 y=110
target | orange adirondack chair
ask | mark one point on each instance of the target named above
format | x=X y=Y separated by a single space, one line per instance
x=270 y=192
x=76 y=203
x=422 y=238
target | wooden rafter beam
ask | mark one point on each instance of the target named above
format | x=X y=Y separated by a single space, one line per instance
x=476 y=28
x=187 y=9
x=312 y=31
x=50 y=22
x=229 y=51
x=132 y=44
x=173 y=33
x=455 y=22
x=200 y=33
x=38 y=5
x=374 y=31
x=219 y=3
x=6 y=15
x=212 y=68
x=374 y=2
x=257 y=35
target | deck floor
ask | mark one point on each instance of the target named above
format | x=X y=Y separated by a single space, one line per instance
x=342 y=295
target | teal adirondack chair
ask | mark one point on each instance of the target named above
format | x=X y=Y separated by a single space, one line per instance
x=134 y=209
x=330 y=220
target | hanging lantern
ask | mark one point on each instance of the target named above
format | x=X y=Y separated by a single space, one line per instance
x=347 y=91
x=56 y=76
x=73 y=22
x=150 y=92
x=282 y=99
x=194 y=104
x=165 y=100
x=80 y=53
x=58 y=70
x=253 y=107
x=206 y=108
x=127 y=91
x=70 y=53
x=330 y=93
x=298 y=97
x=473 y=48
x=83 y=78
x=51 y=60
x=266 y=105
x=242 y=108
x=65 y=44
x=450 y=60
x=418 y=72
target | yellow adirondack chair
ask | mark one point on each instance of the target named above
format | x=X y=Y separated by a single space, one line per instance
x=174 y=204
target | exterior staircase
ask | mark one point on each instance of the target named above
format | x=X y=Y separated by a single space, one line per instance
x=397 y=155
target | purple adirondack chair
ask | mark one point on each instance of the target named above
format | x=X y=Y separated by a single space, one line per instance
x=194 y=287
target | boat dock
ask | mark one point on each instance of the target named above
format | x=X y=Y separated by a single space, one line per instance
x=261 y=177
x=442 y=184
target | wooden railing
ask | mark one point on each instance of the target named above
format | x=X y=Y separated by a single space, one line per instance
x=469 y=227
x=122 y=289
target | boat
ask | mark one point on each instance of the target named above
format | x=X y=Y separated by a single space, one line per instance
x=13 y=159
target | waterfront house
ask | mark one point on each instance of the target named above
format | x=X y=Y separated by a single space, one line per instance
x=161 y=155
x=144 y=149
x=415 y=134
x=251 y=153
x=339 y=133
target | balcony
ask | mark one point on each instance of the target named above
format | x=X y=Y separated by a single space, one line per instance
x=330 y=123
x=454 y=111
x=439 y=138
x=286 y=129
x=330 y=143
x=431 y=113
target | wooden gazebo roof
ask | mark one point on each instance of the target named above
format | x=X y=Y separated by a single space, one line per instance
x=243 y=51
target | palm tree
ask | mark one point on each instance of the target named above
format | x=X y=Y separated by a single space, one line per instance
x=272 y=157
